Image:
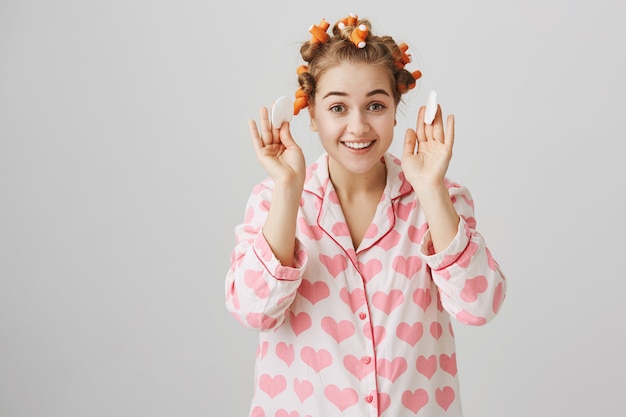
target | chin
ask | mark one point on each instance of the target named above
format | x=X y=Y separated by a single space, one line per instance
x=363 y=166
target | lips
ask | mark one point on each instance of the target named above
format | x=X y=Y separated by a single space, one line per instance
x=358 y=145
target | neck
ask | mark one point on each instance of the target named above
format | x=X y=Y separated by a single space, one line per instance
x=349 y=184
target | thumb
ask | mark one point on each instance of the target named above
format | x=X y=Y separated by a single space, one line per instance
x=410 y=139
x=285 y=135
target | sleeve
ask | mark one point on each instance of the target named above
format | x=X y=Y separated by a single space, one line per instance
x=259 y=290
x=470 y=281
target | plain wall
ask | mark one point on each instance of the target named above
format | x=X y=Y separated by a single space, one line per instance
x=125 y=164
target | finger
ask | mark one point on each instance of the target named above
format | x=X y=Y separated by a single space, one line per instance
x=419 y=129
x=275 y=131
x=270 y=110
x=285 y=136
x=429 y=128
x=266 y=126
x=450 y=131
x=257 y=142
x=437 y=133
x=410 y=140
x=275 y=135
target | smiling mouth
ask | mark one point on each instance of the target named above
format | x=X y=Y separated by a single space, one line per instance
x=358 y=145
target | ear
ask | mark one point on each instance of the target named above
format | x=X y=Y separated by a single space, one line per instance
x=313 y=124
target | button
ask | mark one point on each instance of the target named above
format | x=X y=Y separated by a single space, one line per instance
x=362 y=316
x=366 y=359
x=369 y=398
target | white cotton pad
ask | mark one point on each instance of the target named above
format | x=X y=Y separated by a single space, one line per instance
x=431 y=107
x=282 y=111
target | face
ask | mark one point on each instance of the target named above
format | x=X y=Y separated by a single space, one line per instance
x=354 y=114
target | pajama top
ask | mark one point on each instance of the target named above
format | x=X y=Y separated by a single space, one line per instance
x=365 y=332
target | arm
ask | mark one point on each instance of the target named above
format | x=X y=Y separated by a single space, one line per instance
x=259 y=289
x=471 y=285
x=283 y=159
x=426 y=171
x=268 y=261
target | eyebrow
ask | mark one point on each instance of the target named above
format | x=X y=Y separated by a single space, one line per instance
x=371 y=93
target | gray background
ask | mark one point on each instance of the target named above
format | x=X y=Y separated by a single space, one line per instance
x=125 y=163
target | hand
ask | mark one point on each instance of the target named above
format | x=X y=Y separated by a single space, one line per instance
x=277 y=152
x=428 y=167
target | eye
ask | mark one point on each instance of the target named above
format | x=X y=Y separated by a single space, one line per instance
x=337 y=108
x=376 y=107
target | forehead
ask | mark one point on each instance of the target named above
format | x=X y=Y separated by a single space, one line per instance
x=354 y=78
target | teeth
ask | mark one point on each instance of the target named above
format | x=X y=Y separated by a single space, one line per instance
x=360 y=145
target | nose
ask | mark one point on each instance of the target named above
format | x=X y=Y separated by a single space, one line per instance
x=358 y=123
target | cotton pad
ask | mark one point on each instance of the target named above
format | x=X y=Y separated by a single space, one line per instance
x=282 y=111
x=431 y=107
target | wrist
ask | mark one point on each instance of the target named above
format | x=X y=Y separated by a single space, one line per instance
x=430 y=189
x=288 y=186
x=287 y=195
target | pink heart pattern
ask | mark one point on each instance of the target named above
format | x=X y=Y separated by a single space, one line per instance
x=498 y=298
x=340 y=229
x=473 y=287
x=422 y=298
x=370 y=269
x=284 y=413
x=254 y=280
x=384 y=401
x=261 y=349
x=390 y=240
x=299 y=322
x=388 y=302
x=354 y=299
x=257 y=412
x=335 y=265
x=404 y=210
x=445 y=397
x=436 y=330
x=335 y=322
x=448 y=363
x=314 y=292
x=272 y=386
x=406 y=266
x=342 y=398
x=410 y=333
x=313 y=232
x=426 y=366
x=317 y=360
x=416 y=234
x=392 y=369
x=415 y=400
x=285 y=352
x=260 y=320
x=357 y=366
x=303 y=389
x=339 y=331
x=379 y=333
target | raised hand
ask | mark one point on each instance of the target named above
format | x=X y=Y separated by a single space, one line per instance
x=427 y=151
x=277 y=152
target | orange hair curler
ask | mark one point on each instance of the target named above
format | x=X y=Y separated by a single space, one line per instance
x=301 y=101
x=359 y=35
x=417 y=74
x=404 y=58
x=301 y=69
x=319 y=32
x=347 y=21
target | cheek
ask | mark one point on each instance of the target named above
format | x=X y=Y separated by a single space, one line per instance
x=324 y=122
x=387 y=123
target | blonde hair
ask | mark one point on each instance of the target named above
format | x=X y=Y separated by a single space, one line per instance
x=382 y=51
